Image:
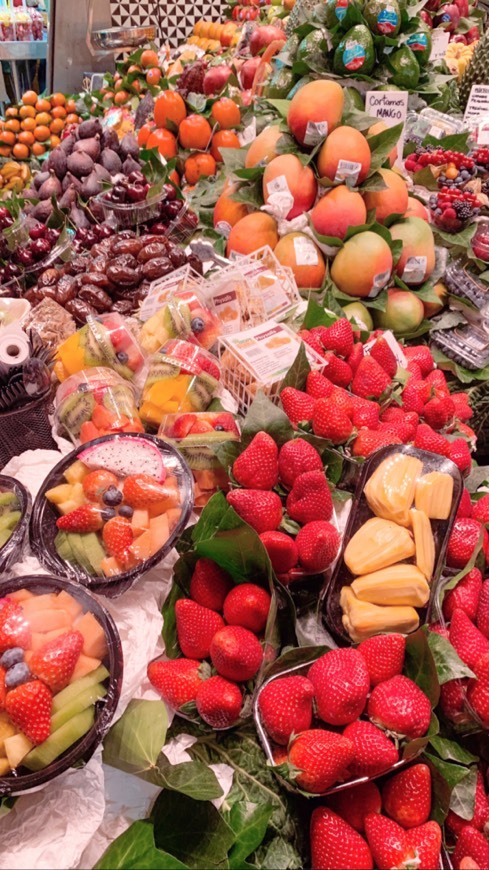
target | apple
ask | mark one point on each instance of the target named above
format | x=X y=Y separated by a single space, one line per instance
x=426 y=17
x=216 y=78
x=248 y=72
x=263 y=36
x=448 y=17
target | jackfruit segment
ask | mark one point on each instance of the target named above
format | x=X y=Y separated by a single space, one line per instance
x=362 y=619
x=378 y=544
x=424 y=543
x=391 y=488
x=434 y=493
x=398 y=585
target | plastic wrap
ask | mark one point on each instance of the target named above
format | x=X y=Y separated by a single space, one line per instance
x=12 y=551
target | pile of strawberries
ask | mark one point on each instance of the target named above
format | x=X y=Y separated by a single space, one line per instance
x=360 y=402
x=359 y=694
x=230 y=641
x=471 y=836
x=292 y=477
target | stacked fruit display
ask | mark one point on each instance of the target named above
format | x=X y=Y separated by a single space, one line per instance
x=213 y=36
x=36 y=125
x=136 y=76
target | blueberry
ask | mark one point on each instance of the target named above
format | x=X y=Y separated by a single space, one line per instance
x=82 y=388
x=219 y=428
x=107 y=514
x=122 y=357
x=112 y=496
x=197 y=325
x=16 y=675
x=126 y=511
x=12 y=657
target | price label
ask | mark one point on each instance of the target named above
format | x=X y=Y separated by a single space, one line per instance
x=439 y=42
x=477 y=105
x=391 y=108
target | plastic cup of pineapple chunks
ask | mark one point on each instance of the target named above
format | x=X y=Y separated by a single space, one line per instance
x=96 y=402
x=15 y=511
x=86 y=706
x=361 y=513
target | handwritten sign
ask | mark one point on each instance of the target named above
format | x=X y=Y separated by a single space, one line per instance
x=439 y=41
x=391 y=108
x=478 y=104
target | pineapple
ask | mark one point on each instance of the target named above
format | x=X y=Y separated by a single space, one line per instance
x=477 y=71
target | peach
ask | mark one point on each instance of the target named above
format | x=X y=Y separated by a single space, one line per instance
x=379 y=127
x=417 y=209
x=315 y=110
x=264 y=147
x=287 y=174
x=299 y=252
x=403 y=313
x=251 y=233
x=393 y=199
x=340 y=209
x=227 y=212
x=417 y=259
x=344 y=145
x=363 y=265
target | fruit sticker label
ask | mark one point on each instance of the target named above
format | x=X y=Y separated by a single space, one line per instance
x=348 y=170
x=268 y=350
x=415 y=270
x=161 y=289
x=418 y=41
x=387 y=20
x=340 y=9
x=315 y=132
x=379 y=282
x=354 y=55
x=278 y=185
x=306 y=253
x=247 y=135
x=439 y=41
x=279 y=198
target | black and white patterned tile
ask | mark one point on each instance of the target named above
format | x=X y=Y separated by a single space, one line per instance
x=174 y=19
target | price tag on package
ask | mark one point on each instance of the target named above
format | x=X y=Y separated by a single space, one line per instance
x=391 y=108
x=160 y=290
x=478 y=104
x=439 y=42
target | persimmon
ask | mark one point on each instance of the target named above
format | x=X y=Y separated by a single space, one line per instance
x=38 y=149
x=26 y=138
x=226 y=113
x=13 y=125
x=149 y=58
x=223 y=139
x=169 y=109
x=199 y=165
x=42 y=133
x=145 y=133
x=59 y=99
x=165 y=142
x=7 y=138
x=194 y=133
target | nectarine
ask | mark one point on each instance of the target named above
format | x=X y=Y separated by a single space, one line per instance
x=344 y=156
x=251 y=233
x=393 y=199
x=417 y=209
x=263 y=148
x=363 y=265
x=417 y=259
x=403 y=313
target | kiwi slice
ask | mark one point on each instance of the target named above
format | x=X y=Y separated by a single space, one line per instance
x=8 y=500
x=118 y=400
x=94 y=352
x=63 y=548
x=76 y=410
x=199 y=394
x=200 y=458
x=10 y=520
x=94 y=552
x=160 y=371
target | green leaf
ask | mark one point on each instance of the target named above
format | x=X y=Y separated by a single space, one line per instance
x=445 y=778
x=249 y=821
x=233 y=158
x=250 y=193
x=281 y=106
x=297 y=375
x=462 y=800
x=455 y=142
x=425 y=178
x=316 y=315
x=420 y=665
x=373 y=182
x=193 y=831
x=465 y=376
x=191 y=778
x=449 y=666
x=134 y=743
x=382 y=144
x=264 y=416
x=448 y=750
x=461 y=239
x=135 y=850
x=169 y=632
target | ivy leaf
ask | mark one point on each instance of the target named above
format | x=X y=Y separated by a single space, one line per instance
x=191 y=778
x=465 y=376
x=373 y=182
x=448 y=750
x=449 y=666
x=446 y=777
x=461 y=239
x=169 y=632
x=455 y=142
x=420 y=665
x=425 y=178
x=194 y=831
x=249 y=821
x=250 y=194
x=134 y=743
x=281 y=106
x=135 y=850
x=297 y=375
x=233 y=158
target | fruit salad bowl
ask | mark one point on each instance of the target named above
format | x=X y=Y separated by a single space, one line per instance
x=15 y=510
x=60 y=679
x=111 y=510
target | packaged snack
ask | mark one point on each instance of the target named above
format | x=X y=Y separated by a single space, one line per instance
x=103 y=341
x=96 y=402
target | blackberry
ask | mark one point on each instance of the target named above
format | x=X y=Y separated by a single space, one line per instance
x=464 y=210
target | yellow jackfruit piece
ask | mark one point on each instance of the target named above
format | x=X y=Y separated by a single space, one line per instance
x=424 y=543
x=397 y=585
x=390 y=490
x=434 y=493
x=378 y=544
x=362 y=619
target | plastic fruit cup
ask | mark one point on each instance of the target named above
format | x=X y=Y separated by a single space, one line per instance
x=80 y=752
x=103 y=341
x=181 y=377
x=13 y=497
x=96 y=402
x=480 y=242
x=205 y=325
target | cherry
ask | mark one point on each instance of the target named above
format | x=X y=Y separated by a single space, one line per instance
x=37 y=232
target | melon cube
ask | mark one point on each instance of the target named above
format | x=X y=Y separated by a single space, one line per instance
x=173 y=517
x=17 y=748
x=6 y=730
x=110 y=566
x=48 y=620
x=140 y=521
x=84 y=666
x=5 y=767
x=94 y=643
x=160 y=531
x=39 y=602
x=59 y=494
x=66 y=507
x=20 y=595
x=76 y=472
x=143 y=547
x=39 y=639
x=66 y=602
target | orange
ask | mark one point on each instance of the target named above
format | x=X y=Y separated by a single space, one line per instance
x=145 y=133
x=72 y=119
x=134 y=68
x=136 y=86
x=149 y=58
x=5 y=151
x=12 y=112
x=119 y=85
x=42 y=133
x=121 y=97
x=13 y=125
x=174 y=178
x=58 y=100
x=55 y=141
x=223 y=139
x=199 y=165
x=59 y=112
x=153 y=76
x=28 y=124
x=43 y=105
x=26 y=138
x=20 y=151
x=165 y=142
x=38 y=149
x=226 y=113
x=70 y=106
x=169 y=109
x=7 y=138
x=43 y=119
x=27 y=112
x=194 y=132
x=30 y=98
x=108 y=97
x=57 y=125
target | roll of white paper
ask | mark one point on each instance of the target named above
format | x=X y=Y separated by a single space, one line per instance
x=14 y=348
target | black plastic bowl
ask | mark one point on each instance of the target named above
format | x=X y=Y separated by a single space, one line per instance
x=83 y=749
x=11 y=551
x=44 y=516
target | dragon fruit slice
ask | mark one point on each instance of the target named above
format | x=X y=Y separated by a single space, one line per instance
x=125 y=456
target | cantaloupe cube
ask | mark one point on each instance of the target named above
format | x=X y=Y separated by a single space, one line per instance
x=28 y=655
x=76 y=472
x=6 y=730
x=39 y=602
x=110 y=566
x=173 y=516
x=206 y=479
x=94 y=644
x=5 y=767
x=160 y=531
x=48 y=620
x=139 y=522
x=21 y=595
x=17 y=747
x=39 y=638
x=59 y=494
x=170 y=500
x=65 y=601
x=142 y=547
x=85 y=665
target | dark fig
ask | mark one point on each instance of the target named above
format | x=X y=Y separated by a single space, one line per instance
x=88 y=146
x=89 y=129
x=111 y=161
x=110 y=140
x=80 y=164
x=29 y=193
x=79 y=218
x=130 y=165
x=57 y=163
x=67 y=144
x=91 y=186
x=51 y=187
x=69 y=198
x=129 y=146
x=102 y=173
x=43 y=210
x=39 y=179
x=70 y=181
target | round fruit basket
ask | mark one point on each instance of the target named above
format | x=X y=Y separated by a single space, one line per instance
x=104 y=703
x=22 y=502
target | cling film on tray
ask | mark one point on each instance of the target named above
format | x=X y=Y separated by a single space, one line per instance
x=15 y=512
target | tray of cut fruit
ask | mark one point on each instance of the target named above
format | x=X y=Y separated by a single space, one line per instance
x=15 y=509
x=111 y=510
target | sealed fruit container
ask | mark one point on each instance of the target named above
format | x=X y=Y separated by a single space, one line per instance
x=181 y=377
x=96 y=402
x=61 y=674
x=195 y=436
x=184 y=315
x=111 y=510
x=394 y=544
x=132 y=213
x=15 y=510
x=103 y=341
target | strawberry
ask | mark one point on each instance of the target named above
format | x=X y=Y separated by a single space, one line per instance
x=421 y=355
x=322 y=757
x=318 y=544
x=366 y=415
x=177 y=681
x=465 y=507
x=384 y=656
x=29 y=707
x=478 y=690
x=400 y=706
x=54 y=662
x=415 y=371
x=437 y=382
x=282 y=551
x=342 y=400
x=142 y=490
x=118 y=536
x=182 y=426
x=285 y=706
x=97 y=482
x=468 y=641
x=459 y=453
x=480 y=510
x=406 y=797
x=209 y=584
x=341 y=684
x=318 y=386
x=331 y=422
x=452 y=701
x=236 y=653
x=338 y=337
x=382 y=353
x=353 y=804
x=427 y=439
x=392 y=414
x=312 y=339
x=261 y=510
x=480 y=819
x=196 y=626
x=465 y=595
x=338 y=371
x=14 y=628
x=248 y=605
x=296 y=457
x=218 y=702
x=3 y=688
x=482 y=616
x=368 y=441
x=463 y=411
x=374 y=751
x=201 y=427
x=225 y=422
x=463 y=541
x=356 y=356
x=438 y=628
x=310 y=498
x=392 y=846
x=436 y=414
x=335 y=844
x=297 y=405
x=86 y=518
x=399 y=428
x=471 y=844
x=415 y=395
x=257 y=466
x=370 y=379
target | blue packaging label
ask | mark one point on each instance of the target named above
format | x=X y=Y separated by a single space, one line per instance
x=353 y=55
x=387 y=20
x=340 y=9
x=417 y=42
